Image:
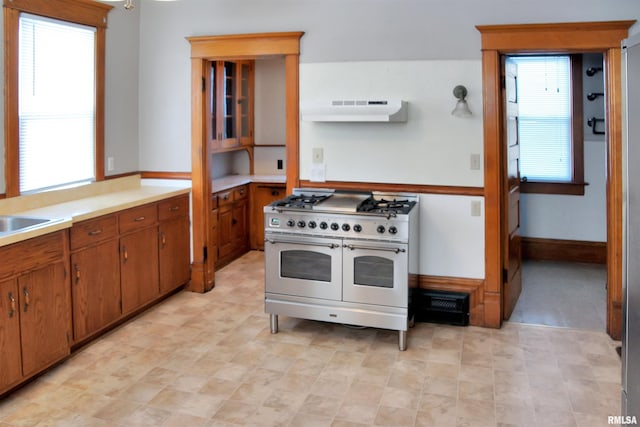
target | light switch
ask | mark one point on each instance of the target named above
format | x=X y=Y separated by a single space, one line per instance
x=318 y=155
x=476 y=208
x=110 y=164
x=475 y=162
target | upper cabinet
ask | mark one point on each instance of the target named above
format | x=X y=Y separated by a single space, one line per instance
x=229 y=115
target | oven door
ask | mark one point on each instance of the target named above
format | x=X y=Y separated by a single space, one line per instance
x=303 y=266
x=376 y=273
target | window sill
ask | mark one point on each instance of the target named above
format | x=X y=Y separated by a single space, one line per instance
x=567 y=188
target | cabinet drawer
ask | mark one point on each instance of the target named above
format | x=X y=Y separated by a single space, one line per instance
x=240 y=193
x=176 y=207
x=32 y=253
x=93 y=231
x=138 y=218
x=225 y=198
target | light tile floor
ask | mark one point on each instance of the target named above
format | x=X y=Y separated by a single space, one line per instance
x=209 y=360
x=562 y=294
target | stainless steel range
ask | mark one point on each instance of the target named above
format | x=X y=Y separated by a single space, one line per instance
x=343 y=257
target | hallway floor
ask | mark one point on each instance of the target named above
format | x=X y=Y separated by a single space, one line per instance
x=562 y=294
x=210 y=360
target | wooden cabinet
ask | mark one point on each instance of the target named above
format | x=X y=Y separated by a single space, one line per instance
x=139 y=276
x=262 y=195
x=35 y=307
x=10 y=356
x=229 y=106
x=232 y=224
x=95 y=275
x=174 y=243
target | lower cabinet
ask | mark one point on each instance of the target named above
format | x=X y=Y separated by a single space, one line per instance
x=232 y=224
x=262 y=195
x=35 y=307
x=139 y=269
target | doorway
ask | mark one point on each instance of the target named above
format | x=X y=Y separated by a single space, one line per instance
x=604 y=37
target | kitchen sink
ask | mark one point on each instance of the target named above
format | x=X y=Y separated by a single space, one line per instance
x=12 y=224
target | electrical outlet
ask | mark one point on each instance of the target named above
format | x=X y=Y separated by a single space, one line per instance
x=110 y=164
x=318 y=155
x=280 y=165
x=475 y=162
x=476 y=208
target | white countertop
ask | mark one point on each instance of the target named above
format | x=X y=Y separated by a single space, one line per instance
x=109 y=197
x=230 y=181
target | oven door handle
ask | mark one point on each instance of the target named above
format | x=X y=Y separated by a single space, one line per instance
x=370 y=248
x=328 y=245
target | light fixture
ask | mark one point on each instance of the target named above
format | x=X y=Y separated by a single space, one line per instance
x=462 y=109
x=128 y=4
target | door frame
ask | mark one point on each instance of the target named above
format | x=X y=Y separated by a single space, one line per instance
x=576 y=37
x=232 y=47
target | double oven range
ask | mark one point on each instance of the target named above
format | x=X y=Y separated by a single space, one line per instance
x=342 y=257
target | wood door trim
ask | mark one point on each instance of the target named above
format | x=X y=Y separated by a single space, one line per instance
x=236 y=46
x=449 y=190
x=575 y=37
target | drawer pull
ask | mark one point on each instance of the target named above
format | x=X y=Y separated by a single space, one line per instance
x=95 y=232
x=225 y=197
x=77 y=270
x=12 y=304
x=26 y=298
x=175 y=208
x=140 y=218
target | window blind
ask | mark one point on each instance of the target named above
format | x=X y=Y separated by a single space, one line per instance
x=544 y=120
x=56 y=103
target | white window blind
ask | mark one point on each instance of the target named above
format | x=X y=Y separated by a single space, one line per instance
x=544 y=121
x=56 y=103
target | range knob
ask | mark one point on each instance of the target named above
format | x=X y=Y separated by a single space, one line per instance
x=323 y=225
x=346 y=227
x=301 y=224
x=291 y=223
x=381 y=229
x=393 y=230
x=357 y=228
x=334 y=226
x=312 y=224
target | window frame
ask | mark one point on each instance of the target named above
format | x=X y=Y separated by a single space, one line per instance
x=576 y=186
x=85 y=12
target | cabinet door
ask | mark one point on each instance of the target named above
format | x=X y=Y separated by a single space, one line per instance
x=44 y=317
x=139 y=268
x=10 y=357
x=174 y=254
x=213 y=234
x=228 y=93
x=95 y=288
x=245 y=102
x=262 y=195
x=240 y=224
x=225 y=227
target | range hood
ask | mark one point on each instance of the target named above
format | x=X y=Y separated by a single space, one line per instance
x=378 y=110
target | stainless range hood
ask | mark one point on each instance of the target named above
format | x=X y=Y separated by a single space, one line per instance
x=363 y=110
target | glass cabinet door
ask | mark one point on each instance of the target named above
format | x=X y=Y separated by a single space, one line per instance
x=245 y=109
x=229 y=97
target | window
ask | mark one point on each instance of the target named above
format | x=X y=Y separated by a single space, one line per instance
x=54 y=93
x=550 y=124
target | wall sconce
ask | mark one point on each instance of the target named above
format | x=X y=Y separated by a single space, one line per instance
x=128 y=4
x=462 y=109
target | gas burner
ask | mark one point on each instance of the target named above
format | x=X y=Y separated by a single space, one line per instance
x=387 y=207
x=300 y=201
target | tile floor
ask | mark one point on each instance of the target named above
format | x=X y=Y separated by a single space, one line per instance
x=562 y=294
x=209 y=360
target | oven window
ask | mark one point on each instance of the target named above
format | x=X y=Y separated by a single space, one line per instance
x=373 y=271
x=305 y=265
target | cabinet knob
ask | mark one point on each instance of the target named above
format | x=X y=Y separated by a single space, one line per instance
x=125 y=254
x=163 y=239
x=26 y=298
x=12 y=304
x=76 y=268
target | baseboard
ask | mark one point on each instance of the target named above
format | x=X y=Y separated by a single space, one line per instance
x=473 y=287
x=564 y=250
